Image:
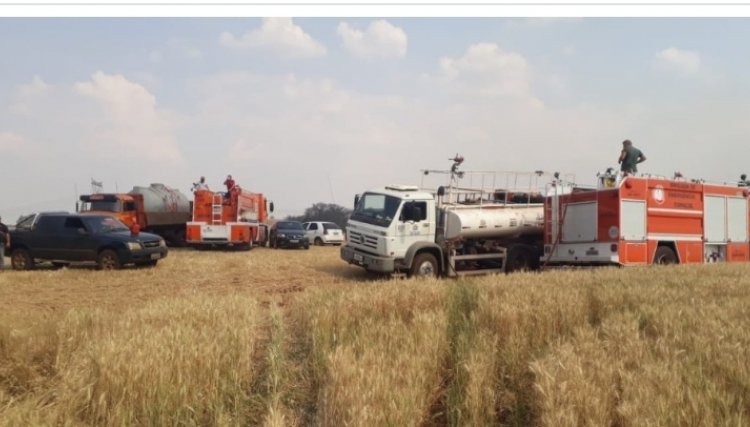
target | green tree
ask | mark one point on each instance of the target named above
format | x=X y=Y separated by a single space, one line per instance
x=328 y=212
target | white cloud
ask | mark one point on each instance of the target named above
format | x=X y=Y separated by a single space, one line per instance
x=11 y=141
x=132 y=124
x=27 y=93
x=486 y=69
x=380 y=40
x=685 y=61
x=279 y=36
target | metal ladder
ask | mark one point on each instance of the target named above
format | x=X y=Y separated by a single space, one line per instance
x=216 y=208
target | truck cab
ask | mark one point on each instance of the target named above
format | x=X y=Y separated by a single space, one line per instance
x=389 y=227
x=121 y=206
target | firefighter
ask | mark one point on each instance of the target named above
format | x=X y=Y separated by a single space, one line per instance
x=629 y=158
x=229 y=182
x=200 y=185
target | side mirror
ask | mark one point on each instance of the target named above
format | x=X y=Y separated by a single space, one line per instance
x=271 y=207
x=356 y=200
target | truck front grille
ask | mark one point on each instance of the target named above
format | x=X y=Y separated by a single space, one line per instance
x=363 y=239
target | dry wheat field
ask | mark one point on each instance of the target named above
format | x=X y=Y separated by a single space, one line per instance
x=286 y=338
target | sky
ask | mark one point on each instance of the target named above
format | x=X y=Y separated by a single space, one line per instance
x=309 y=110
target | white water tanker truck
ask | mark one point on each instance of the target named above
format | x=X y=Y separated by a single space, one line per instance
x=452 y=231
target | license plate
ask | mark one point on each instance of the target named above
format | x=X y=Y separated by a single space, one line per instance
x=155 y=256
x=358 y=257
x=293 y=241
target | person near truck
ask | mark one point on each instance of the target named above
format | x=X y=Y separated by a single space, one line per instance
x=200 y=185
x=629 y=158
x=229 y=182
x=4 y=241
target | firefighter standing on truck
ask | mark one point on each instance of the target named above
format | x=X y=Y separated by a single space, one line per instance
x=629 y=158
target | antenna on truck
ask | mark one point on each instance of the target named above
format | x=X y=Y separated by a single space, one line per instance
x=96 y=186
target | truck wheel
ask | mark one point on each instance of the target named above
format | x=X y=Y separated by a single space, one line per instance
x=521 y=258
x=665 y=255
x=318 y=241
x=21 y=259
x=108 y=260
x=424 y=265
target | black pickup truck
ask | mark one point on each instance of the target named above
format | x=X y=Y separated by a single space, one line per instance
x=65 y=238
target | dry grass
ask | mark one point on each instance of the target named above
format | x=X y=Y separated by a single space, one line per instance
x=281 y=338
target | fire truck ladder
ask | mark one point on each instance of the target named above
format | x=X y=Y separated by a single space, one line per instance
x=216 y=208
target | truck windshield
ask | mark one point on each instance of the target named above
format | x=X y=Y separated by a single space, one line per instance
x=376 y=209
x=102 y=205
x=103 y=224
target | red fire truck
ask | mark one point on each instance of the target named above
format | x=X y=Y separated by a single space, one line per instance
x=237 y=218
x=643 y=220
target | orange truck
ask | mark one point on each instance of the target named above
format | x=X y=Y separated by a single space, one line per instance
x=237 y=219
x=155 y=209
x=643 y=220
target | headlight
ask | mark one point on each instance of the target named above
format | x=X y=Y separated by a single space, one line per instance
x=282 y=235
x=162 y=243
x=134 y=246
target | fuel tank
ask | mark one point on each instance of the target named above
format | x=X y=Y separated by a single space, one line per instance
x=163 y=205
x=493 y=221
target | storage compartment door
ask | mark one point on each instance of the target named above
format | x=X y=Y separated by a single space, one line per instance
x=633 y=220
x=579 y=223
x=715 y=219
x=737 y=219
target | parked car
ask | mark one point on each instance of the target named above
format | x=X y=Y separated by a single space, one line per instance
x=288 y=234
x=63 y=238
x=324 y=233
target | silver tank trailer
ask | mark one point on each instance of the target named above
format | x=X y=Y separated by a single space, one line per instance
x=493 y=221
x=164 y=205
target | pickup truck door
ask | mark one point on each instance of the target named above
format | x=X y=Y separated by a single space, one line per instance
x=75 y=242
x=44 y=239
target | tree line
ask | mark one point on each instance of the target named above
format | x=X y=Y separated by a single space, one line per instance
x=328 y=212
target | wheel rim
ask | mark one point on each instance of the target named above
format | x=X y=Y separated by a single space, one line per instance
x=426 y=269
x=19 y=261
x=108 y=262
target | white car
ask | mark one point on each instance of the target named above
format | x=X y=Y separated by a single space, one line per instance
x=323 y=233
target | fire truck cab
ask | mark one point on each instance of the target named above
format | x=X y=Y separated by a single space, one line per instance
x=637 y=220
